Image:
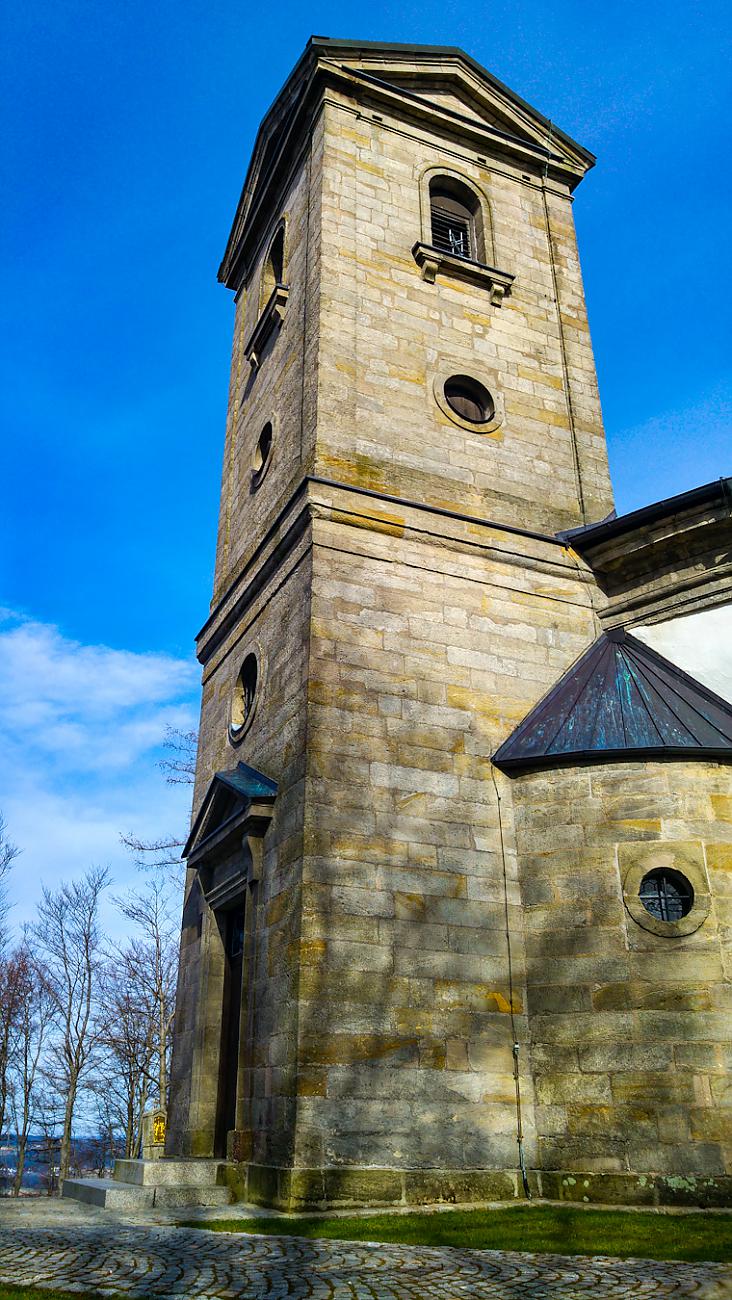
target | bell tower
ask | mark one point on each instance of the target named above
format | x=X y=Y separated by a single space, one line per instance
x=413 y=417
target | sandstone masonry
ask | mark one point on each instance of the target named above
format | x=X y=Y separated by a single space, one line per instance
x=424 y=957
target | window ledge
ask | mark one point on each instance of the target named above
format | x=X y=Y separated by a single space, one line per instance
x=270 y=320
x=433 y=261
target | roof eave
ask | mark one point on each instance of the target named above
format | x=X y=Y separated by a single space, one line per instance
x=584 y=757
x=719 y=492
x=455 y=52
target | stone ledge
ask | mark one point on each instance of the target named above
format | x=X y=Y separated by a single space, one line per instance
x=352 y=1187
x=171 y=1172
x=434 y=261
x=271 y=319
x=695 y=1190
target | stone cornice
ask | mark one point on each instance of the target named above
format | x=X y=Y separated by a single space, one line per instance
x=365 y=508
x=669 y=558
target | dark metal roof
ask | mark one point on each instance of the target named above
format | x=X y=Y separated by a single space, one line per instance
x=218 y=808
x=248 y=782
x=719 y=491
x=621 y=701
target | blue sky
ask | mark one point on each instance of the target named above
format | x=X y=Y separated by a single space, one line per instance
x=128 y=129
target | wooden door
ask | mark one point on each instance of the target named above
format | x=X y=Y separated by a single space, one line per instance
x=232 y=928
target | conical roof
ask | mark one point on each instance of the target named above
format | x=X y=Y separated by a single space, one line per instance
x=621 y=700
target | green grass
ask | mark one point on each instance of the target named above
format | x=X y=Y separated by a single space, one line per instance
x=38 y=1293
x=560 y=1230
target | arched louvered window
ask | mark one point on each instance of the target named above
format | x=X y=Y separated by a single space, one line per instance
x=455 y=215
x=274 y=266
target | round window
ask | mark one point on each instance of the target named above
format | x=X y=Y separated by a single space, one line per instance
x=469 y=399
x=666 y=895
x=245 y=692
x=262 y=454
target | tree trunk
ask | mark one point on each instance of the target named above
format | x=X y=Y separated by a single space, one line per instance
x=65 y=1149
x=22 y=1143
x=163 y=1042
x=130 y=1131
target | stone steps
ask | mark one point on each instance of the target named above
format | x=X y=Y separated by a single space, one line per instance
x=173 y=1172
x=140 y=1184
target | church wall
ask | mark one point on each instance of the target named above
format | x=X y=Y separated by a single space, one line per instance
x=424 y=652
x=282 y=389
x=386 y=334
x=276 y=627
x=398 y=647
x=630 y=1030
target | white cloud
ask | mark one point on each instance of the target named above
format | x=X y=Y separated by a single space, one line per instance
x=81 y=730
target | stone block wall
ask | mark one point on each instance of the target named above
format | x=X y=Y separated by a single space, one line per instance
x=386 y=335
x=282 y=390
x=425 y=650
x=630 y=1030
x=276 y=626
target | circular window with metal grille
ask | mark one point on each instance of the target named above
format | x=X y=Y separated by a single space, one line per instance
x=666 y=895
x=665 y=886
x=469 y=399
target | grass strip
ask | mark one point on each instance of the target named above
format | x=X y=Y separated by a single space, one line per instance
x=558 y=1230
x=44 y=1293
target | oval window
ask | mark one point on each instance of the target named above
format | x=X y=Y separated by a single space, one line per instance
x=469 y=399
x=666 y=895
x=245 y=692
x=262 y=454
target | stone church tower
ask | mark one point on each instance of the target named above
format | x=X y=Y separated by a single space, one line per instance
x=410 y=973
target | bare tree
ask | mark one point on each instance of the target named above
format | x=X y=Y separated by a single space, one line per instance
x=8 y=972
x=107 y=1145
x=8 y=854
x=68 y=939
x=11 y=993
x=121 y=1083
x=48 y=1121
x=151 y=959
x=36 y=1009
x=138 y=996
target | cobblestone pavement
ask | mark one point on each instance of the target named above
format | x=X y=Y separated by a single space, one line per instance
x=164 y=1261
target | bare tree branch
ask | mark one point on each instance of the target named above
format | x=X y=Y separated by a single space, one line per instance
x=164 y=854
x=159 y=854
x=35 y=1016
x=8 y=854
x=68 y=940
x=181 y=769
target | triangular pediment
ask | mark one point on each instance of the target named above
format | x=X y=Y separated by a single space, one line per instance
x=442 y=83
x=227 y=802
x=448 y=98
x=621 y=701
x=459 y=91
